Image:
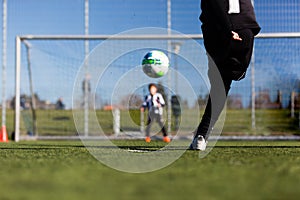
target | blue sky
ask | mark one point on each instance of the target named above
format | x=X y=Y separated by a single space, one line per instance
x=114 y=16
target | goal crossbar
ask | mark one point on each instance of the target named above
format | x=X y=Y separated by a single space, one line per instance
x=144 y=37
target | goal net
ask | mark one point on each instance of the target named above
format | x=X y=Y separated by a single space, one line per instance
x=55 y=78
x=63 y=92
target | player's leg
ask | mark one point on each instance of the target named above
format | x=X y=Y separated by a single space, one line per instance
x=217 y=46
x=160 y=121
x=148 y=127
x=212 y=111
x=214 y=107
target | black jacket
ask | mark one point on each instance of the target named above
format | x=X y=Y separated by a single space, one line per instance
x=215 y=17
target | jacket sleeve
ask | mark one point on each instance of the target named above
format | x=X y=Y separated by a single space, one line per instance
x=144 y=104
x=161 y=100
x=219 y=10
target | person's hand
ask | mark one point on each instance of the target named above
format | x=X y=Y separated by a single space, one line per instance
x=142 y=109
x=236 y=36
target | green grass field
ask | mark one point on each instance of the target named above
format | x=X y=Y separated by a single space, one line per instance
x=232 y=170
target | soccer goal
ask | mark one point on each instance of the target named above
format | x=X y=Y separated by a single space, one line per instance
x=58 y=83
x=65 y=92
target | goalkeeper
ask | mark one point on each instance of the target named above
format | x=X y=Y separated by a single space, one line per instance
x=154 y=102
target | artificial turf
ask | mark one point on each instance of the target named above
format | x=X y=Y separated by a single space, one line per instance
x=232 y=170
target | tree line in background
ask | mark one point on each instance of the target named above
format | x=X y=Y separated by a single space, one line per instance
x=263 y=100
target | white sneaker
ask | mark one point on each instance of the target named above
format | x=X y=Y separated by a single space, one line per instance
x=198 y=143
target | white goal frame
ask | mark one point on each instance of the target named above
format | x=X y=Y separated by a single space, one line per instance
x=20 y=39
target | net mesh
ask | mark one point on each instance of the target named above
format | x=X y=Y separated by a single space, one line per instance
x=120 y=84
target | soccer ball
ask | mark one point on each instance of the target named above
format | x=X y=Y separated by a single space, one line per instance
x=155 y=64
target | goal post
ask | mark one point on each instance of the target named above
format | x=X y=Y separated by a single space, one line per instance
x=66 y=54
x=17 y=89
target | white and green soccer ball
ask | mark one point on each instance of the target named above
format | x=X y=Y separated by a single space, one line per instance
x=155 y=64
